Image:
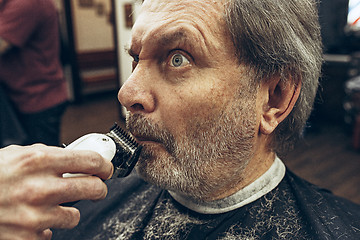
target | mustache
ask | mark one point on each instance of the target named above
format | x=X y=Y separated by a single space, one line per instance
x=140 y=126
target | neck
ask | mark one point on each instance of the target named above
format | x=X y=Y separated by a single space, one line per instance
x=256 y=167
x=255 y=190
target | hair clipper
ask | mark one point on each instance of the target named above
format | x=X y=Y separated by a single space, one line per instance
x=116 y=146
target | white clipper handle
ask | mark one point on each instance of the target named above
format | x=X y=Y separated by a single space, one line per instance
x=97 y=142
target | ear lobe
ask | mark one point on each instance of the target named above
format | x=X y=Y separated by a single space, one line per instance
x=280 y=100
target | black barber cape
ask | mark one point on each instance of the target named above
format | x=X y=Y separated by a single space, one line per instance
x=294 y=209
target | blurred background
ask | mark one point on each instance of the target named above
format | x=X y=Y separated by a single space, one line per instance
x=94 y=33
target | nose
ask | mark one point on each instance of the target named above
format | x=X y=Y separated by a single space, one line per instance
x=135 y=95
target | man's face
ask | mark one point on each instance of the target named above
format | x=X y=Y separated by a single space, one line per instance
x=188 y=99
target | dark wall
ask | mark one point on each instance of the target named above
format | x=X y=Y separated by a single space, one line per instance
x=333 y=18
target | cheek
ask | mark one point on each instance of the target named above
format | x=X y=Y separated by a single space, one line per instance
x=198 y=100
x=192 y=108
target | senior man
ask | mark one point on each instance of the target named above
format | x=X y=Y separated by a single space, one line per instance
x=218 y=89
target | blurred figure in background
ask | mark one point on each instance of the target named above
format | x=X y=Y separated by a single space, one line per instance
x=30 y=69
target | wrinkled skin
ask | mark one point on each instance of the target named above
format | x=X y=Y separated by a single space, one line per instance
x=32 y=187
x=190 y=103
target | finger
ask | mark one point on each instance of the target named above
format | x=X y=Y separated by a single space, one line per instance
x=38 y=157
x=45 y=235
x=42 y=218
x=48 y=190
x=81 y=161
x=34 y=220
x=60 y=217
x=76 y=188
x=16 y=233
x=80 y=188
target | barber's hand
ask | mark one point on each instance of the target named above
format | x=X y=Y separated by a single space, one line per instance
x=32 y=187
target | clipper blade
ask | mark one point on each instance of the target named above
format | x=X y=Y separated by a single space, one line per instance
x=127 y=151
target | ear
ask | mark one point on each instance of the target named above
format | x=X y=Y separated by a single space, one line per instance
x=278 y=101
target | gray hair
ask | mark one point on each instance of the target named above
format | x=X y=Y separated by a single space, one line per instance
x=280 y=38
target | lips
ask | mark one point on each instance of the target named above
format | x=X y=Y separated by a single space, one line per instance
x=143 y=139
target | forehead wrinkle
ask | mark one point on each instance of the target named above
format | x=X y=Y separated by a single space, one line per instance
x=209 y=11
x=184 y=32
x=179 y=36
x=149 y=36
x=200 y=14
x=202 y=7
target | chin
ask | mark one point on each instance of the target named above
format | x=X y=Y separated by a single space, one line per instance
x=162 y=171
x=169 y=174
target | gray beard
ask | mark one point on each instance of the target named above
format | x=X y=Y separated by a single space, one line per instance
x=208 y=159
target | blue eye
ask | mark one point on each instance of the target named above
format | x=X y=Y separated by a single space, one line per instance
x=177 y=60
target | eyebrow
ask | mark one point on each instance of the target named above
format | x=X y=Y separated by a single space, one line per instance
x=172 y=37
x=175 y=38
x=163 y=41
